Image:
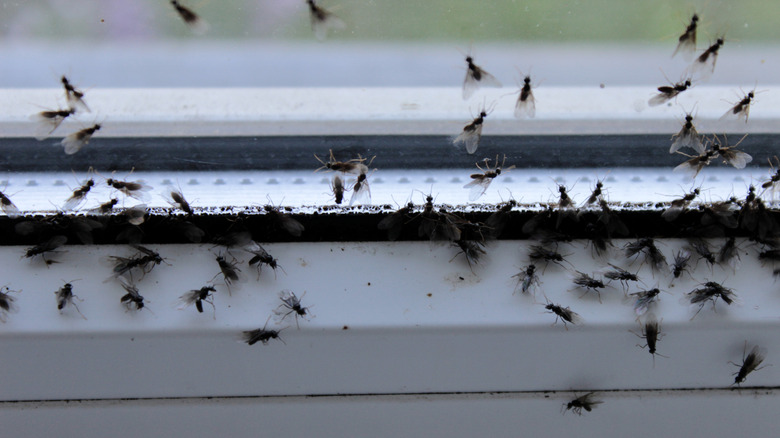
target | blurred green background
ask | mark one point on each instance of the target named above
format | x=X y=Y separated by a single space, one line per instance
x=397 y=20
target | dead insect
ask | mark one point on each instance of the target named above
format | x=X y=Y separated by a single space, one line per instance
x=394 y=222
x=667 y=93
x=621 y=275
x=585 y=281
x=105 y=207
x=251 y=337
x=197 y=297
x=74 y=96
x=337 y=185
x=472 y=250
x=730 y=154
x=565 y=314
x=652 y=254
x=679 y=205
x=586 y=402
x=686 y=43
x=481 y=181
x=177 y=200
x=9 y=208
x=132 y=297
x=472 y=133
x=354 y=166
x=361 y=192
x=644 y=300
x=145 y=262
x=742 y=108
x=322 y=20
x=262 y=257
x=229 y=271
x=687 y=137
x=750 y=363
x=79 y=195
x=74 y=142
x=705 y=63
x=476 y=77
x=47 y=246
x=284 y=221
x=680 y=264
x=7 y=304
x=196 y=24
x=133 y=189
x=291 y=305
x=65 y=298
x=651 y=333
x=49 y=121
x=526 y=104
x=710 y=291
x=527 y=279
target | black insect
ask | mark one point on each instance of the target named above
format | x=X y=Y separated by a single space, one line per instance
x=262 y=257
x=234 y=239
x=145 y=261
x=178 y=201
x=596 y=195
x=481 y=181
x=476 y=77
x=527 y=280
x=729 y=253
x=105 y=207
x=354 y=166
x=48 y=121
x=770 y=254
x=710 y=291
x=680 y=264
x=539 y=253
x=750 y=363
x=9 y=208
x=564 y=201
x=686 y=44
x=667 y=92
x=651 y=252
x=621 y=275
x=742 y=108
x=730 y=154
x=565 y=314
x=768 y=185
x=65 y=298
x=651 y=333
x=322 y=20
x=229 y=271
x=472 y=133
x=440 y=224
x=198 y=25
x=679 y=205
x=695 y=163
x=131 y=297
x=337 y=186
x=611 y=220
x=701 y=248
x=197 y=297
x=291 y=305
x=74 y=96
x=472 y=250
x=361 y=192
x=393 y=223
x=133 y=189
x=687 y=137
x=586 y=402
x=263 y=335
x=585 y=281
x=76 y=141
x=50 y=245
x=496 y=222
x=705 y=63
x=721 y=213
x=284 y=221
x=644 y=300
x=7 y=304
x=79 y=195
x=526 y=104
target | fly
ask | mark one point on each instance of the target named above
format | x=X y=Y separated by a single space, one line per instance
x=47 y=246
x=106 y=207
x=354 y=166
x=472 y=133
x=198 y=297
x=135 y=215
x=706 y=61
x=323 y=20
x=621 y=275
x=710 y=291
x=394 y=222
x=679 y=205
x=7 y=304
x=750 y=363
x=79 y=195
x=74 y=96
x=131 y=297
x=680 y=264
x=476 y=77
x=526 y=104
x=644 y=300
x=701 y=248
x=145 y=261
x=768 y=185
x=291 y=305
x=667 y=93
x=361 y=192
x=585 y=281
x=742 y=108
x=472 y=250
x=695 y=163
x=284 y=221
x=565 y=314
x=76 y=141
x=262 y=335
x=496 y=222
x=730 y=154
x=262 y=257
x=133 y=189
x=229 y=271
x=586 y=402
x=9 y=208
x=729 y=253
x=481 y=181
x=686 y=43
x=687 y=137
x=527 y=280
x=337 y=186
x=596 y=195
x=651 y=252
x=196 y=24
x=65 y=298
x=651 y=333
x=49 y=121
x=178 y=201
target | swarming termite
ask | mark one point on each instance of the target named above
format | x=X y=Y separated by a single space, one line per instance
x=586 y=402
x=481 y=181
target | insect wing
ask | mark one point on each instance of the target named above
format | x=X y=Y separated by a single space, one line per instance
x=527 y=107
x=687 y=137
x=471 y=83
x=46 y=123
x=470 y=137
x=737 y=159
x=478 y=187
x=361 y=193
x=322 y=21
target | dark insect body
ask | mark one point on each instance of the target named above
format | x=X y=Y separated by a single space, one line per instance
x=133 y=189
x=361 y=192
x=710 y=291
x=750 y=363
x=131 y=297
x=687 y=137
x=145 y=262
x=709 y=57
x=322 y=20
x=66 y=297
x=79 y=195
x=686 y=43
x=481 y=181
x=476 y=77
x=74 y=96
x=651 y=252
x=472 y=250
x=667 y=93
x=679 y=205
x=621 y=275
x=596 y=195
x=7 y=304
x=354 y=166
x=540 y=253
x=178 y=201
x=262 y=257
x=50 y=120
x=742 y=108
x=262 y=335
x=393 y=223
x=291 y=305
x=338 y=189
x=588 y=283
x=586 y=402
x=197 y=297
x=47 y=246
x=76 y=141
x=9 y=208
x=565 y=314
x=190 y=18
x=472 y=133
x=644 y=300
x=527 y=279
x=651 y=333
x=284 y=221
x=526 y=104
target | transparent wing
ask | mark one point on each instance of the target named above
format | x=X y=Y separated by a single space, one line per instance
x=470 y=85
x=361 y=195
x=686 y=47
x=478 y=187
x=469 y=138
x=324 y=23
x=525 y=108
x=739 y=159
x=659 y=99
x=74 y=142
